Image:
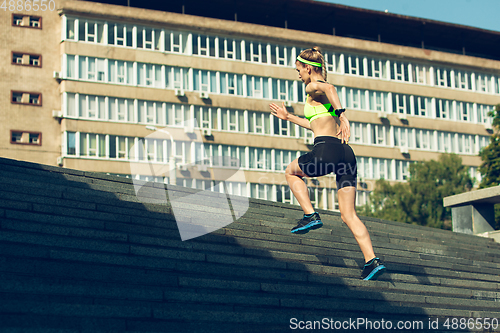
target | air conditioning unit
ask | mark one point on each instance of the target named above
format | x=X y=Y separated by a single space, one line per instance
x=404 y=150
x=309 y=140
x=204 y=95
x=182 y=167
x=206 y=132
x=288 y=103
x=402 y=116
x=202 y=167
x=179 y=92
x=189 y=129
x=60 y=161
x=382 y=115
x=57 y=114
x=57 y=75
x=488 y=126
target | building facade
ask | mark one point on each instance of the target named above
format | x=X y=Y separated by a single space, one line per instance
x=95 y=87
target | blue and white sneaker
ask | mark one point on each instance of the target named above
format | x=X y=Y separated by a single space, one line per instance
x=372 y=269
x=308 y=222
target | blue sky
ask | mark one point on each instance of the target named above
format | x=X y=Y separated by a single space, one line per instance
x=484 y=14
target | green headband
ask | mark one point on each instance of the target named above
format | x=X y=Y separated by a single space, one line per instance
x=317 y=64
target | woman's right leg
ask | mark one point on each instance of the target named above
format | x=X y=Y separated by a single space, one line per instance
x=293 y=176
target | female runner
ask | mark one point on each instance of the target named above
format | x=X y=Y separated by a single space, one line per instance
x=323 y=113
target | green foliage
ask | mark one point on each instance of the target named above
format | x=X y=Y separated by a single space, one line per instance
x=420 y=200
x=490 y=155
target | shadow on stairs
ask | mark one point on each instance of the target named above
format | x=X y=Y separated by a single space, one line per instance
x=79 y=252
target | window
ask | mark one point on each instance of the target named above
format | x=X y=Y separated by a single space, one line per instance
x=17 y=20
x=177 y=78
x=403 y=137
x=93 y=107
x=355 y=99
x=149 y=75
x=420 y=74
x=462 y=80
x=231 y=84
x=233 y=120
x=446 y=142
x=205 y=81
x=230 y=48
x=35 y=22
x=379 y=101
x=359 y=132
x=333 y=62
x=26 y=21
x=92 y=69
x=120 y=35
x=70 y=28
x=442 y=77
x=402 y=171
x=259 y=122
x=92 y=145
x=380 y=135
x=175 y=42
x=399 y=71
x=34 y=60
x=71 y=143
x=257 y=87
x=26 y=98
x=424 y=139
x=482 y=116
x=284 y=128
x=444 y=109
x=260 y=158
x=204 y=45
x=353 y=65
x=377 y=68
x=401 y=104
x=256 y=52
x=25 y=138
x=483 y=83
x=282 y=55
x=17 y=58
x=206 y=117
x=151 y=112
x=90 y=31
x=465 y=111
x=421 y=106
x=122 y=72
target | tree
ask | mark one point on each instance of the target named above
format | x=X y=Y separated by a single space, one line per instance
x=420 y=200
x=490 y=155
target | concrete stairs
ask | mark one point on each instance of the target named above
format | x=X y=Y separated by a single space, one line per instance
x=80 y=253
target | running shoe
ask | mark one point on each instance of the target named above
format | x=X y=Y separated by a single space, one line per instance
x=308 y=222
x=372 y=269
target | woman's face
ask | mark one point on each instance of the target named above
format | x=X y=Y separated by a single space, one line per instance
x=303 y=72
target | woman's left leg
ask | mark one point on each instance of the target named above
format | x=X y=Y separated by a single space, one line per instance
x=347 y=207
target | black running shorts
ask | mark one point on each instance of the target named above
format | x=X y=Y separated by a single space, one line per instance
x=330 y=155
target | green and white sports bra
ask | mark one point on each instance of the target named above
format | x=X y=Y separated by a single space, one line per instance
x=314 y=112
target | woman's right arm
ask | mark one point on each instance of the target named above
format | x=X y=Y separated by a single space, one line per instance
x=282 y=113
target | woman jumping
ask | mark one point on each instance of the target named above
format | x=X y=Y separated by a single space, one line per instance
x=326 y=118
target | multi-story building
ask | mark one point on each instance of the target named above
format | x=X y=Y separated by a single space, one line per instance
x=112 y=73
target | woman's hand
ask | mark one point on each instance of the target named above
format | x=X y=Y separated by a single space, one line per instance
x=278 y=111
x=344 y=129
